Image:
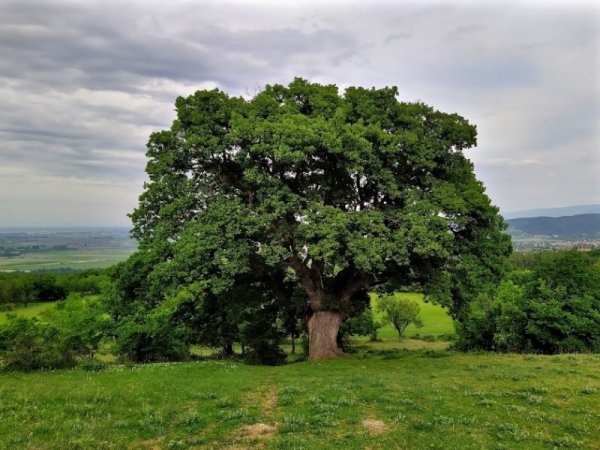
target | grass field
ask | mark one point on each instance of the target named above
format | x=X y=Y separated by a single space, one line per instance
x=32 y=310
x=411 y=400
x=66 y=259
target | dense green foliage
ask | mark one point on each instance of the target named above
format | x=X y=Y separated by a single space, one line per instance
x=24 y=288
x=551 y=307
x=303 y=193
x=70 y=333
x=82 y=323
x=363 y=324
x=28 y=344
x=158 y=317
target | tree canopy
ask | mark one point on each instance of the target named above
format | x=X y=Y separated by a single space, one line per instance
x=303 y=192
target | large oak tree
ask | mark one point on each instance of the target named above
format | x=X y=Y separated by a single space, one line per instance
x=303 y=189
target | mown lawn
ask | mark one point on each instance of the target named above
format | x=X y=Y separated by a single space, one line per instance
x=401 y=399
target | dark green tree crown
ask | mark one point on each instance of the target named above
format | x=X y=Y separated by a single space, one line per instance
x=353 y=187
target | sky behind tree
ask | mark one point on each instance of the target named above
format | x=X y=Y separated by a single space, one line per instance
x=83 y=84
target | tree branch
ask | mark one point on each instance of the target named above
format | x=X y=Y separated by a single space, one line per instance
x=310 y=280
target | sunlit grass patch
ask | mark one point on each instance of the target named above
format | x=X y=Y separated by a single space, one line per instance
x=37 y=310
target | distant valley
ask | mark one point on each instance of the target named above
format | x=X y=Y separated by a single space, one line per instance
x=63 y=249
x=576 y=231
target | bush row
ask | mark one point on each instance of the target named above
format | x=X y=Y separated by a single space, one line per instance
x=21 y=288
x=551 y=307
x=71 y=334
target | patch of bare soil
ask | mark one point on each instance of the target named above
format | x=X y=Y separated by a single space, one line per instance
x=258 y=431
x=270 y=401
x=374 y=426
x=252 y=436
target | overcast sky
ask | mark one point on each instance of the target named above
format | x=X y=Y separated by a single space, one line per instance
x=83 y=84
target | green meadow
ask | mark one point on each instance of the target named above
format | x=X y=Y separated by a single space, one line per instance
x=395 y=399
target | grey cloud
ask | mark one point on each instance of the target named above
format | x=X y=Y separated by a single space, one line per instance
x=464 y=32
x=69 y=47
x=397 y=36
x=83 y=84
x=493 y=71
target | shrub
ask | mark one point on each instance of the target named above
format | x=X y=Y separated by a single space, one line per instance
x=82 y=323
x=73 y=332
x=149 y=335
x=554 y=308
x=262 y=339
x=28 y=344
x=149 y=341
x=361 y=325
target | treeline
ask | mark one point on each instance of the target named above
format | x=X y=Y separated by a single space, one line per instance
x=548 y=303
x=22 y=288
x=249 y=325
x=12 y=251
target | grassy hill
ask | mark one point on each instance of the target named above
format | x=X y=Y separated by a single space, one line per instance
x=402 y=399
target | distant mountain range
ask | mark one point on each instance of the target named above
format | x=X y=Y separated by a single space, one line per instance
x=567 y=226
x=554 y=212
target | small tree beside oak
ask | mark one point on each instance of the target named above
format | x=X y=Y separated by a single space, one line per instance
x=400 y=312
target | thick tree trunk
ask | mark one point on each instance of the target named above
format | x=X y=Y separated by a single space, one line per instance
x=323 y=327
